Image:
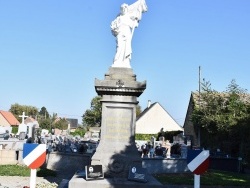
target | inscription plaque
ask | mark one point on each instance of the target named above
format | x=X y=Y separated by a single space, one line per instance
x=94 y=172
x=118 y=124
x=137 y=174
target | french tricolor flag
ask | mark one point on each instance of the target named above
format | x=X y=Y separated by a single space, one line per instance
x=34 y=155
x=198 y=161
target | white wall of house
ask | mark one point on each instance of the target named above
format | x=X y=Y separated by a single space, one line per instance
x=155 y=119
x=3 y=121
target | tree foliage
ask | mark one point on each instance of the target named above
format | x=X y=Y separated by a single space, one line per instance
x=138 y=110
x=45 y=120
x=61 y=124
x=222 y=115
x=92 y=117
x=79 y=131
x=17 y=110
x=146 y=137
x=45 y=124
x=43 y=113
x=220 y=111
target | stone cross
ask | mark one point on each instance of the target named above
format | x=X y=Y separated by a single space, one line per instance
x=23 y=116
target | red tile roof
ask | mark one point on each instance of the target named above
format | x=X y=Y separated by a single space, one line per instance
x=10 y=118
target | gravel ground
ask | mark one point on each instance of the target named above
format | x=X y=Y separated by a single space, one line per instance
x=21 y=182
x=61 y=180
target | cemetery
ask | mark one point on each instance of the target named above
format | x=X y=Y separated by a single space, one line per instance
x=111 y=156
x=63 y=152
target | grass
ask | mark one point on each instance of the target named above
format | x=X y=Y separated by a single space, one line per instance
x=19 y=170
x=211 y=178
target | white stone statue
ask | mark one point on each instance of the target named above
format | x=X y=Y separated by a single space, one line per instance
x=123 y=28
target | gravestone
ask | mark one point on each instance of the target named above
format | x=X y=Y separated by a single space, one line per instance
x=167 y=145
x=32 y=126
x=117 y=150
x=22 y=128
x=184 y=150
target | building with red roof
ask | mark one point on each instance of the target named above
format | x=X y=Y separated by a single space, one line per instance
x=8 y=119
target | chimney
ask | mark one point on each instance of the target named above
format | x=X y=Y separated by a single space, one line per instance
x=149 y=103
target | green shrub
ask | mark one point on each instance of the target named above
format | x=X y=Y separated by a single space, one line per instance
x=146 y=137
x=79 y=131
x=14 y=129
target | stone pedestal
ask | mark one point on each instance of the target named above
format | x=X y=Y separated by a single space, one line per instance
x=117 y=150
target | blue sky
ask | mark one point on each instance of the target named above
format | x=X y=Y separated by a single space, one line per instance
x=52 y=51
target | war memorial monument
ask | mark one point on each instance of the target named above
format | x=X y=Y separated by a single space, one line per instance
x=117 y=153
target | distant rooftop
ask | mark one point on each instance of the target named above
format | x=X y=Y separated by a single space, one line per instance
x=10 y=118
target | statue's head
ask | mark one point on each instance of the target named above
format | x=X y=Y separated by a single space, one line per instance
x=124 y=8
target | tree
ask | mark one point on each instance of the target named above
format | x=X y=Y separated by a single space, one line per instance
x=79 y=131
x=92 y=117
x=45 y=124
x=17 y=110
x=138 y=110
x=44 y=113
x=237 y=103
x=206 y=107
x=61 y=124
x=221 y=116
x=238 y=106
x=219 y=111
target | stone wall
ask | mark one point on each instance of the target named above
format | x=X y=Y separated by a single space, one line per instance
x=155 y=166
x=8 y=157
x=189 y=131
x=72 y=162
x=67 y=161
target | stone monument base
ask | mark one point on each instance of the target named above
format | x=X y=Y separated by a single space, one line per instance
x=78 y=181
